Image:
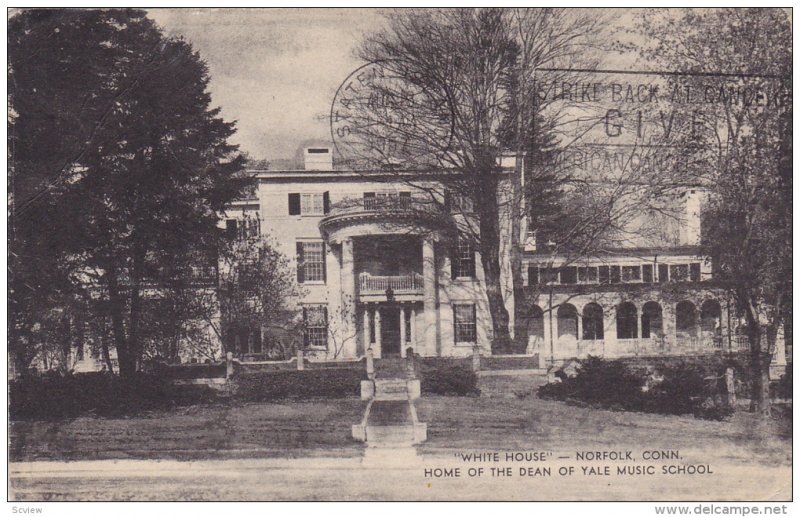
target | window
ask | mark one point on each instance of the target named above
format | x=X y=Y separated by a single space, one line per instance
x=587 y=274
x=248 y=228
x=679 y=273
x=460 y=203
x=631 y=273
x=694 y=272
x=464 y=323
x=616 y=276
x=548 y=275
x=663 y=273
x=463 y=262
x=603 y=274
x=647 y=273
x=569 y=275
x=310 y=262
x=533 y=275
x=309 y=204
x=593 y=322
x=315 y=318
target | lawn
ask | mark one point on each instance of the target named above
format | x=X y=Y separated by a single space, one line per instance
x=251 y=430
x=291 y=450
x=508 y=416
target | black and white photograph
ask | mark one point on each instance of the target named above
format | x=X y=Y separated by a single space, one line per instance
x=368 y=254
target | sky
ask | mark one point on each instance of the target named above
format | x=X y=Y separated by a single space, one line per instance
x=273 y=71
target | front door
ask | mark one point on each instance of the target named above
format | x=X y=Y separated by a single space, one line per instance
x=390 y=331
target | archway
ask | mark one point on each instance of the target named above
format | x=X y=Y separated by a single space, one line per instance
x=652 y=320
x=567 y=321
x=686 y=320
x=593 y=322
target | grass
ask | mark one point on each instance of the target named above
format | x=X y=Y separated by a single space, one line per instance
x=251 y=430
x=508 y=416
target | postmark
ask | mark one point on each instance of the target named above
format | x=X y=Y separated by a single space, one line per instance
x=386 y=116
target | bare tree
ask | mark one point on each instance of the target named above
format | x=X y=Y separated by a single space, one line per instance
x=453 y=92
x=741 y=139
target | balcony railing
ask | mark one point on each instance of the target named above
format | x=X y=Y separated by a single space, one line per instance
x=373 y=284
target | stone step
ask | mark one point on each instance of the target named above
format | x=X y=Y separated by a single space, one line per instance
x=391 y=389
x=387 y=435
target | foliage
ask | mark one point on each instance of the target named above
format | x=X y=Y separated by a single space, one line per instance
x=54 y=396
x=460 y=83
x=783 y=387
x=674 y=388
x=275 y=385
x=119 y=168
x=741 y=152
x=447 y=377
x=256 y=291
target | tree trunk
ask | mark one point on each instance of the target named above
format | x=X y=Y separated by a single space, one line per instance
x=490 y=258
x=759 y=370
x=105 y=352
x=127 y=367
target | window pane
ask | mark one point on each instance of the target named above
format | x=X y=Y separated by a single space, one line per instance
x=615 y=275
x=603 y=274
x=464 y=323
x=647 y=273
x=631 y=273
x=311 y=204
x=569 y=275
x=313 y=261
x=663 y=273
x=317 y=326
x=465 y=266
x=587 y=274
x=679 y=273
x=694 y=271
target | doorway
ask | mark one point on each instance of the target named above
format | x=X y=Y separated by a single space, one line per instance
x=390 y=331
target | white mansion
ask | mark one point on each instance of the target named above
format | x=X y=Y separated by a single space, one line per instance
x=372 y=281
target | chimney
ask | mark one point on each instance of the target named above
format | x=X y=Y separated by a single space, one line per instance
x=318 y=158
x=695 y=199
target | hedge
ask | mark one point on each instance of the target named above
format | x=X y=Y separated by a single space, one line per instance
x=54 y=396
x=274 y=385
x=442 y=376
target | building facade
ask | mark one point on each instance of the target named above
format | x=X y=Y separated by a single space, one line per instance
x=378 y=275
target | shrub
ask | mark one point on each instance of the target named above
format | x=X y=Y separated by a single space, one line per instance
x=69 y=396
x=443 y=377
x=275 y=385
x=782 y=389
x=685 y=387
x=599 y=382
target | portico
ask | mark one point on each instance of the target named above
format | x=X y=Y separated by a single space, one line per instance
x=388 y=280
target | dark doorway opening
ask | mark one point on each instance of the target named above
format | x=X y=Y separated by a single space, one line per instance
x=390 y=331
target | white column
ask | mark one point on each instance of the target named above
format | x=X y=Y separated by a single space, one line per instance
x=429 y=279
x=348 y=283
x=377 y=347
x=402 y=331
x=413 y=329
x=365 y=330
x=778 y=365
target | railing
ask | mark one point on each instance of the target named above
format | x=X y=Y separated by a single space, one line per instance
x=388 y=203
x=380 y=284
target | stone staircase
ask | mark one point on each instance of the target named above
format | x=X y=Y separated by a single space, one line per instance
x=390 y=419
